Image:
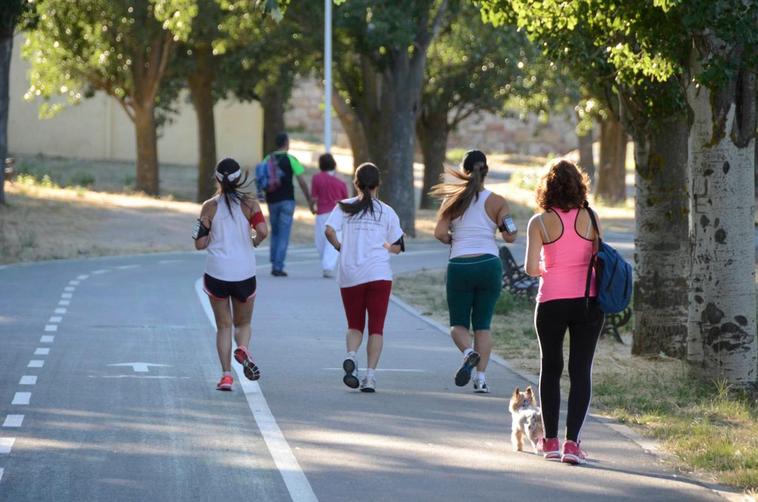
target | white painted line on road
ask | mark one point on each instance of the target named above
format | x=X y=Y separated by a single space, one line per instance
x=69 y=288
x=142 y=367
x=60 y=310
x=35 y=363
x=55 y=319
x=46 y=339
x=2 y=471
x=166 y=262
x=51 y=327
x=294 y=478
x=6 y=445
x=127 y=267
x=13 y=421
x=73 y=283
x=82 y=277
x=98 y=272
x=396 y=370
x=28 y=380
x=64 y=303
x=21 y=398
x=147 y=377
x=42 y=351
x=67 y=296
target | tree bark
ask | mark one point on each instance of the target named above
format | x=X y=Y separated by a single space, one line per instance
x=721 y=332
x=274 y=102
x=611 y=175
x=147 y=150
x=353 y=128
x=586 y=156
x=661 y=243
x=432 y=130
x=6 y=52
x=201 y=89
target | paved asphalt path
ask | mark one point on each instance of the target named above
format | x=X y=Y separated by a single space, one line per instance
x=82 y=429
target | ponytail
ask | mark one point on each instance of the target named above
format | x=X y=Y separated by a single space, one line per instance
x=457 y=197
x=366 y=179
x=230 y=182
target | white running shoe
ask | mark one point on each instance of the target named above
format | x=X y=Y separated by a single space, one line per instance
x=368 y=384
x=480 y=387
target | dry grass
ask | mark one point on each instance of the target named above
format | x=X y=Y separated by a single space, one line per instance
x=711 y=429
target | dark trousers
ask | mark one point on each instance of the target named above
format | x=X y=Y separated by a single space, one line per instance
x=551 y=320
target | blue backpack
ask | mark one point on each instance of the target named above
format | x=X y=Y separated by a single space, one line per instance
x=268 y=176
x=613 y=275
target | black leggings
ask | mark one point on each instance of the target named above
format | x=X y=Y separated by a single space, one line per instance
x=551 y=320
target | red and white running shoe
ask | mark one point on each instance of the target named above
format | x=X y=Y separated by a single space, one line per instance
x=573 y=453
x=225 y=383
x=250 y=369
x=549 y=448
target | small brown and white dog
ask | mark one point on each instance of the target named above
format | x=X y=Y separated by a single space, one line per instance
x=526 y=419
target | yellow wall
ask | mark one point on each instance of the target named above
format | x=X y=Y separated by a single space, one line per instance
x=98 y=128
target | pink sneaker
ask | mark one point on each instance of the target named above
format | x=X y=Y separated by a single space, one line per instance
x=549 y=448
x=573 y=453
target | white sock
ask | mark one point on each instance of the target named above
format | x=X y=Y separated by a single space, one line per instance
x=227 y=373
x=370 y=373
x=480 y=376
x=351 y=355
x=467 y=352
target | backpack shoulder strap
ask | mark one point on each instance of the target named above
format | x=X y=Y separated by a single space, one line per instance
x=593 y=258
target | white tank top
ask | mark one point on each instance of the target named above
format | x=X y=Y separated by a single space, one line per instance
x=474 y=230
x=231 y=255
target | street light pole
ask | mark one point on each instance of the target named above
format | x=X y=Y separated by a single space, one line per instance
x=327 y=75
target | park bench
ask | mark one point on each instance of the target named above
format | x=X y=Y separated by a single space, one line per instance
x=519 y=283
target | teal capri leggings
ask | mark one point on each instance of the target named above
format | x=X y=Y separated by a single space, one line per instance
x=473 y=287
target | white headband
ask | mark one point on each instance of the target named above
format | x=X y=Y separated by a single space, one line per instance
x=231 y=177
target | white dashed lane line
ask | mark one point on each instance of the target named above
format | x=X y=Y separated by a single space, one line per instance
x=82 y=277
x=51 y=327
x=64 y=303
x=13 y=421
x=60 y=310
x=46 y=339
x=22 y=399
x=28 y=380
x=35 y=363
x=66 y=296
x=6 y=445
x=42 y=351
x=69 y=289
x=98 y=272
x=73 y=283
x=55 y=319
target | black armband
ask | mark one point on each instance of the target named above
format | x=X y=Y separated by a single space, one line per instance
x=200 y=230
x=400 y=242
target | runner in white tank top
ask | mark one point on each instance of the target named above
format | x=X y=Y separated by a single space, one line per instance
x=467 y=220
x=230 y=226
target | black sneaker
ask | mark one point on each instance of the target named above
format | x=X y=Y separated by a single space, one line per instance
x=278 y=273
x=463 y=375
x=350 y=379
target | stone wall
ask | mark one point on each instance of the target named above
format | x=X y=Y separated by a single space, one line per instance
x=485 y=131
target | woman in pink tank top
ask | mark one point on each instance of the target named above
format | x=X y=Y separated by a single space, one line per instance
x=560 y=243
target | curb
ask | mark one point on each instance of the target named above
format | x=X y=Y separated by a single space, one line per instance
x=649 y=446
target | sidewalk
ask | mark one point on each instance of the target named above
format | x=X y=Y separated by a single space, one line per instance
x=419 y=437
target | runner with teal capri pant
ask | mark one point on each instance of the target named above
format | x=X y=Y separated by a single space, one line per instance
x=467 y=221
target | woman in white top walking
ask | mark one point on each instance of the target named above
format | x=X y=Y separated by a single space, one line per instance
x=370 y=232
x=230 y=226
x=467 y=220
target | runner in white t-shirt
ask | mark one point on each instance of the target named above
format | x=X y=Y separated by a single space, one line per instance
x=370 y=232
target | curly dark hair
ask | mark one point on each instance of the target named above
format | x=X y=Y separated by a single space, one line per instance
x=565 y=186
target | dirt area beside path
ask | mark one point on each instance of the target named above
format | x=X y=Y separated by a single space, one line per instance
x=42 y=223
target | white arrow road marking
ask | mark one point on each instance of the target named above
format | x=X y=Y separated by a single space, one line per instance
x=13 y=421
x=141 y=367
x=294 y=478
x=6 y=445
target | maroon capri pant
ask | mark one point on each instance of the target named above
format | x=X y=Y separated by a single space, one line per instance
x=372 y=297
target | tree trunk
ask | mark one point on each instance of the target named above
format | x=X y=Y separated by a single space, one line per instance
x=274 y=102
x=353 y=128
x=432 y=130
x=586 y=157
x=611 y=175
x=147 y=150
x=201 y=89
x=662 y=249
x=6 y=52
x=721 y=332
